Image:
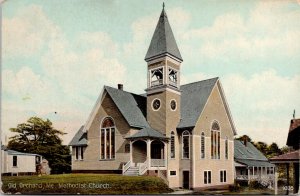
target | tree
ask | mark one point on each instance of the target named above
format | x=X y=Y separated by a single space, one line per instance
x=262 y=147
x=38 y=136
x=273 y=150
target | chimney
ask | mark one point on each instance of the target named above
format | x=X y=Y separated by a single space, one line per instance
x=245 y=141
x=120 y=86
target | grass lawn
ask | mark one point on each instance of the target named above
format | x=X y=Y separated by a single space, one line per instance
x=84 y=184
x=243 y=191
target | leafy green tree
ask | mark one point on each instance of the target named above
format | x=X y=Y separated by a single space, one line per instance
x=273 y=150
x=38 y=136
x=262 y=147
x=284 y=149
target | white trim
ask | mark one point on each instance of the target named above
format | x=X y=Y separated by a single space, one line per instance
x=193 y=157
x=94 y=111
x=159 y=104
x=162 y=88
x=175 y=104
x=150 y=75
x=226 y=106
x=177 y=78
x=162 y=57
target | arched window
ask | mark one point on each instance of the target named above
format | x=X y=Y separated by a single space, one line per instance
x=215 y=140
x=226 y=148
x=172 y=145
x=107 y=139
x=202 y=145
x=186 y=145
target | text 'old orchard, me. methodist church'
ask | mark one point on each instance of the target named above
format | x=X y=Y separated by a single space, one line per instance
x=181 y=133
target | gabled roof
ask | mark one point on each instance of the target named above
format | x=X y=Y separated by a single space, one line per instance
x=80 y=138
x=163 y=41
x=249 y=155
x=248 y=152
x=193 y=99
x=132 y=106
x=13 y=152
x=293 y=139
x=147 y=132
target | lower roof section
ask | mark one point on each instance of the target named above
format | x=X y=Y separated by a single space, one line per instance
x=254 y=163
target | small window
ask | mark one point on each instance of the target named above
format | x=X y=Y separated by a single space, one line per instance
x=172 y=145
x=223 y=176
x=207 y=177
x=127 y=148
x=37 y=160
x=226 y=148
x=202 y=145
x=186 y=145
x=172 y=173
x=76 y=153
x=15 y=161
x=81 y=152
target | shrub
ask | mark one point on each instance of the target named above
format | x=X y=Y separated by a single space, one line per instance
x=236 y=187
x=256 y=185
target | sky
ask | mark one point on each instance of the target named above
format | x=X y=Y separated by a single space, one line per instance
x=57 y=56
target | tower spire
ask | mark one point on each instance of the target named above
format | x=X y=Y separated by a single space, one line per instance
x=163 y=42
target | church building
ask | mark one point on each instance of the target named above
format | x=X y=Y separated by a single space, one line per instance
x=181 y=133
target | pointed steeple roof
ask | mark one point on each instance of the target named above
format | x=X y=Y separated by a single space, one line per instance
x=163 y=41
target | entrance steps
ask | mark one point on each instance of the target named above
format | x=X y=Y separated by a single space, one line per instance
x=132 y=171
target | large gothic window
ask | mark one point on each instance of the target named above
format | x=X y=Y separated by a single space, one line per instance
x=215 y=140
x=202 y=145
x=172 y=145
x=173 y=77
x=107 y=139
x=156 y=78
x=185 y=145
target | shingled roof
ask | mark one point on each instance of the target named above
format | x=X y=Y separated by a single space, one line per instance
x=289 y=156
x=249 y=155
x=193 y=99
x=163 y=41
x=132 y=106
x=80 y=138
x=147 y=132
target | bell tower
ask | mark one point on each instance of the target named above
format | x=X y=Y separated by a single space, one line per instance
x=163 y=78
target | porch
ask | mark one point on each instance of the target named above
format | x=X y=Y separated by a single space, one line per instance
x=148 y=151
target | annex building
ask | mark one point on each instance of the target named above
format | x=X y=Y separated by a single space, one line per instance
x=181 y=133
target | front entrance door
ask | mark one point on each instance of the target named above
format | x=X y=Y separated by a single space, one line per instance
x=186 y=180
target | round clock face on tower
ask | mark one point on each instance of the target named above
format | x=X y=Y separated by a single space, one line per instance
x=156 y=104
x=173 y=105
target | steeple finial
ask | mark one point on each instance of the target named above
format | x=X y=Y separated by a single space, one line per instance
x=163 y=5
x=294 y=114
